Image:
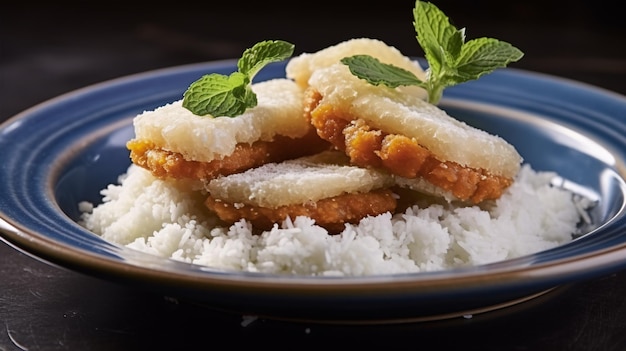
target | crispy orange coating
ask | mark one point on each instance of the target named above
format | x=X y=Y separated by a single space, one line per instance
x=329 y=213
x=167 y=164
x=400 y=155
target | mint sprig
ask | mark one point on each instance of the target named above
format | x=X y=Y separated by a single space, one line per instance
x=451 y=60
x=220 y=95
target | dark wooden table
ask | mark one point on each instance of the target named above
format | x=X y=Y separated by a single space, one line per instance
x=47 y=51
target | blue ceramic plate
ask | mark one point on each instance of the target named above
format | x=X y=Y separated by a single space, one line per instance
x=68 y=149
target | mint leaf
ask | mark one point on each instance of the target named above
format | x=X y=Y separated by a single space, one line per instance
x=484 y=55
x=437 y=37
x=219 y=95
x=451 y=60
x=263 y=53
x=376 y=72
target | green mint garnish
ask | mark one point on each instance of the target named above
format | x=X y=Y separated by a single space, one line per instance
x=451 y=60
x=229 y=96
x=375 y=72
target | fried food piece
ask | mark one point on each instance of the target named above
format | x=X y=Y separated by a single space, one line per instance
x=402 y=156
x=302 y=67
x=167 y=164
x=323 y=187
x=172 y=142
x=396 y=129
x=330 y=213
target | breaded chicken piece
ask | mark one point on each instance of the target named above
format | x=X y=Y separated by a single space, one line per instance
x=172 y=142
x=381 y=127
x=323 y=187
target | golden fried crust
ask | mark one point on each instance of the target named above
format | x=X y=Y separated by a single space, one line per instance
x=400 y=155
x=329 y=213
x=167 y=164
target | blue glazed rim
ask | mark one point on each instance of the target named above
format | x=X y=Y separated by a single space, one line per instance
x=552 y=121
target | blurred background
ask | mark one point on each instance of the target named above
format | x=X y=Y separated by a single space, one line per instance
x=50 y=48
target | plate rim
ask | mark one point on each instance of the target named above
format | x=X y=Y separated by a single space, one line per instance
x=544 y=275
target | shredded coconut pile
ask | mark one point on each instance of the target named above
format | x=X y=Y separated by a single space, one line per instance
x=169 y=219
